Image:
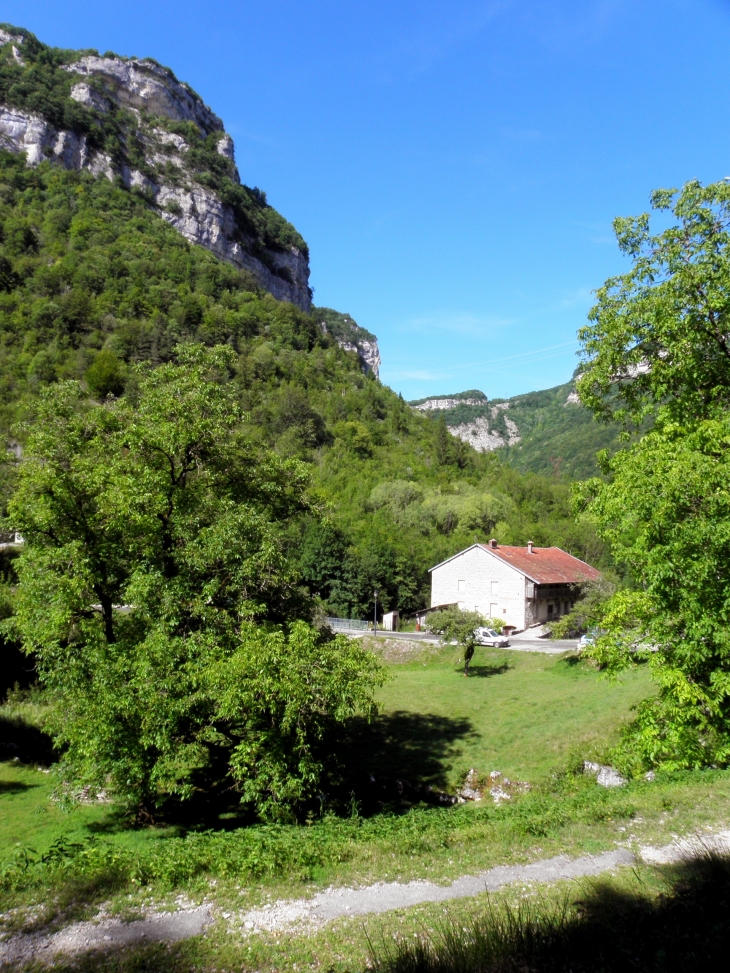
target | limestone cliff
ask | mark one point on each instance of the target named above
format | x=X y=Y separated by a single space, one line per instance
x=351 y=337
x=470 y=417
x=132 y=119
x=486 y=433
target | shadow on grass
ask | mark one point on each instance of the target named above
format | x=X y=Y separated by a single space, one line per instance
x=418 y=746
x=611 y=930
x=486 y=672
x=24 y=741
x=570 y=662
x=14 y=787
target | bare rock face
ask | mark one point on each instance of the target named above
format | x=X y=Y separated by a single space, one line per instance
x=147 y=86
x=481 y=434
x=351 y=337
x=446 y=403
x=85 y=95
x=6 y=38
x=367 y=351
x=147 y=91
x=485 y=427
x=24 y=132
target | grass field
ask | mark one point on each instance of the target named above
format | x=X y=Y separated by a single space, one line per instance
x=521 y=713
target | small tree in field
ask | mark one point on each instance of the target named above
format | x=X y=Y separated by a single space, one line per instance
x=456 y=625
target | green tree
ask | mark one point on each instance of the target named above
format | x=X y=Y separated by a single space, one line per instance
x=661 y=332
x=657 y=347
x=281 y=698
x=456 y=625
x=443 y=443
x=152 y=559
x=666 y=513
x=105 y=376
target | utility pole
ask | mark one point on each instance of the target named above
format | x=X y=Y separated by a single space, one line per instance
x=375 y=616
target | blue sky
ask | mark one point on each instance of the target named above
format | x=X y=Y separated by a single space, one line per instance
x=454 y=166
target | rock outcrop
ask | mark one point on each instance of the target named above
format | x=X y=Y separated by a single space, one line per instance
x=469 y=417
x=148 y=87
x=481 y=432
x=351 y=337
x=366 y=350
x=150 y=103
x=446 y=403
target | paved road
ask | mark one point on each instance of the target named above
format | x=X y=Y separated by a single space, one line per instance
x=517 y=642
x=550 y=646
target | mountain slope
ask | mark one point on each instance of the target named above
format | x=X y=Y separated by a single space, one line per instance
x=546 y=432
x=96 y=277
x=132 y=120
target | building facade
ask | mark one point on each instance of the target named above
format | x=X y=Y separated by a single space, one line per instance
x=524 y=586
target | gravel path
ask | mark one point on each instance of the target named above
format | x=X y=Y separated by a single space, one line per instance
x=305 y=915
x=82 y=937
x=384 y=896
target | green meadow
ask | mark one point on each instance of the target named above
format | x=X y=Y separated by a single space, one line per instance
x=530 y=715
x=521 y=713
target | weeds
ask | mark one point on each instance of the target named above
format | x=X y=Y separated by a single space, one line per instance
x=685 y=928
x=298 y=852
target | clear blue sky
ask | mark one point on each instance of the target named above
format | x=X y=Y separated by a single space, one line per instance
x=454 y=166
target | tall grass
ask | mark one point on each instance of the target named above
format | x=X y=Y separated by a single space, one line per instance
x=610 y=930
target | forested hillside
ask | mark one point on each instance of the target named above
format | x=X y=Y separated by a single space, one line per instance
x=547 y=432
x=95 y=281
x=96 y=277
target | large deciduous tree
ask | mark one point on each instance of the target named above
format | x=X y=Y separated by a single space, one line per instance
x=157 y=599
x=657 y=351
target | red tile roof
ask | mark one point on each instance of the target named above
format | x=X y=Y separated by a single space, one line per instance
x=546 y=565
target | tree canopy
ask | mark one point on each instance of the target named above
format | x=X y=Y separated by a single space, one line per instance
x=456 y=625
x=152 y=573
x=657 y=349
x=660 y=333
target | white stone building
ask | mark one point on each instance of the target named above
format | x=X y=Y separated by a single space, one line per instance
x=521 y=585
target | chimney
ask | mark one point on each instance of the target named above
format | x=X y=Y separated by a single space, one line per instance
x=493 y=543
x=529 y=547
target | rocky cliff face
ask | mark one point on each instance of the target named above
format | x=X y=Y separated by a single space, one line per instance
x=445 y=403
x=351 y=337
x=469 y=416
x=484 y=434
x=134 y=120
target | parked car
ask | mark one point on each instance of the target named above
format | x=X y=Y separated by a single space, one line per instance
x=589 y=638
x=487 y=636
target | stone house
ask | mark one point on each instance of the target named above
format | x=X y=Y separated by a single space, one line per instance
x=522 y=585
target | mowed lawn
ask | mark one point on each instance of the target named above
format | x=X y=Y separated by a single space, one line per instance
x=521 y=713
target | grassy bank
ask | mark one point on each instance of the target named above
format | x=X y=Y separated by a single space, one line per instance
x=522 y=713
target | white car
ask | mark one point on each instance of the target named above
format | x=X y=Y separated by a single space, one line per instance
x=487 y=636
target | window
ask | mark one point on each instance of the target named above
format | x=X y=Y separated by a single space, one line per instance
x=495 y=588
x=462 y=587
x=550 y=609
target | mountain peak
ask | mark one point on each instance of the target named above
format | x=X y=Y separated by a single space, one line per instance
x=132 y=119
